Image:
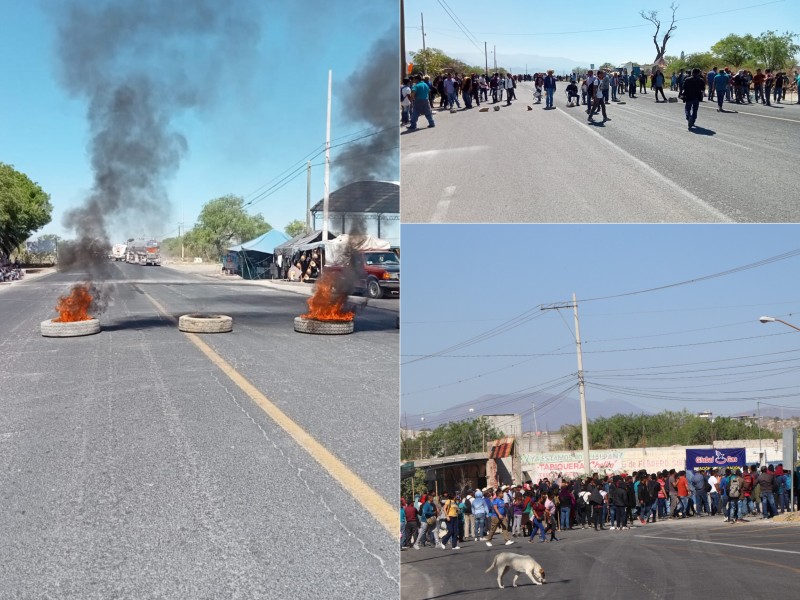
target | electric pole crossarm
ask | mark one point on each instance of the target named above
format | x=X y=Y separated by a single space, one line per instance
x=581 y=384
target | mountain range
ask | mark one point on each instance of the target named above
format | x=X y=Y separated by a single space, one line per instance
x=534 y=63
x=553 y=412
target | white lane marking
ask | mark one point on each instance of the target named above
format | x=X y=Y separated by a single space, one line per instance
x=658 y=537
x=739 y=112
x=423 y=154
x=683 y=121
x=690 y=196
x=444 y=204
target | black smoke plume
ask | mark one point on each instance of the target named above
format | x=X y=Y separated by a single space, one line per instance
x=373 y=98
x=140 y=64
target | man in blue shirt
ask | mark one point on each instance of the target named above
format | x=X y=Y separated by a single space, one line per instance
x=499 y=519
x=420 y=93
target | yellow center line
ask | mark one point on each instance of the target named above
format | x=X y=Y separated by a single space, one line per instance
x=379 y=508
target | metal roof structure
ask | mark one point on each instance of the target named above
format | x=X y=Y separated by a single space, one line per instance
x=377 y=197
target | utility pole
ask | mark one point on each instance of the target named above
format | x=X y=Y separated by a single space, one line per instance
x=402 y=40
x=308 y=198
x=494 y=53
x=180 y=237
x=486 y=56
x=535 y=424
x=581 y=384
x=326 y=198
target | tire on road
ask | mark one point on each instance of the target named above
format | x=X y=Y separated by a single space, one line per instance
x=52 y=328
x=302 y=325
x=199 y=323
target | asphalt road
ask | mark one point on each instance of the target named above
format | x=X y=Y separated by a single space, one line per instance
x=552 y=166
x=670 y=560
x=132 y=467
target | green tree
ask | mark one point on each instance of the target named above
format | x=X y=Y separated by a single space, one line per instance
x=735 y=50
x=433 y=61
x=607 y=66
x=457 y=437
x=24 y=208
x=663 y=429
x=222 y=221
x=774 y=51
x=294 y=228
x=414 y=485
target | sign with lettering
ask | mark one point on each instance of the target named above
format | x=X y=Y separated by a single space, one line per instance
x=710 y=458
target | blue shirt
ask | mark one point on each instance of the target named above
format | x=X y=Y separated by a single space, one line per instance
x=421 y=91
x=501 y=506
x=721 y=81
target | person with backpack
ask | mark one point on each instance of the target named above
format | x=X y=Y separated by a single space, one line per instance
x=469 y=518
x=734 y=494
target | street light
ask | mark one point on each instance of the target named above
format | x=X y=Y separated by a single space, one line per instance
x=773 y=320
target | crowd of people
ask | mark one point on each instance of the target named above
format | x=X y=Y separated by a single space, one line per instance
x=617 y=502
x=594 y=90
x=10 y=271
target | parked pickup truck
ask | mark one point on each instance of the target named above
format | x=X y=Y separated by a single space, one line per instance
x=382 y=272
x=376 y=273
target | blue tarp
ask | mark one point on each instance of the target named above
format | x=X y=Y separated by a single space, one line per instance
x=264 y=243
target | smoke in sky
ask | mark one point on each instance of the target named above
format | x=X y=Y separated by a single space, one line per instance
x=140 y=64
x=370 y=97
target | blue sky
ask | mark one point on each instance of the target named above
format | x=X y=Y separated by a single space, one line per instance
x=573 y=29
x=261 y=108
x=699 y=344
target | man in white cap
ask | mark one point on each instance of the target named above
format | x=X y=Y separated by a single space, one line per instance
x=469 y=518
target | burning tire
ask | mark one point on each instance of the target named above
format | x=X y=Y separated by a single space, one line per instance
x=322 y=327
x=199 y=323
x=52 y=328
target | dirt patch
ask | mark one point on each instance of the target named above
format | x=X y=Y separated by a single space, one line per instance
x=789 y=517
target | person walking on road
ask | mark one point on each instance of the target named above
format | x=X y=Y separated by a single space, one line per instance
x=479 y=510
x=499 y=519
x=420 y=94
x=659 y=84
x=549 y=89
x=710 y=80
x=599 y=99
x=632 y=86
x=412 y=524
x=769 y=81
x=450 y=510
x=720 y=86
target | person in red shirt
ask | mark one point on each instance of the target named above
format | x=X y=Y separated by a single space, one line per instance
x=683 y=493
x=412 y=523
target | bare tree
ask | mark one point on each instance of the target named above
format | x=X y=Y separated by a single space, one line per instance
x=652 y=16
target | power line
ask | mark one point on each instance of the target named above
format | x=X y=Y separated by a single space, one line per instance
x=555 y=33
x=478 y=376
x=471 y=38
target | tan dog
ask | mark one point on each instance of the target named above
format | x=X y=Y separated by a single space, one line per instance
x=519 y=563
